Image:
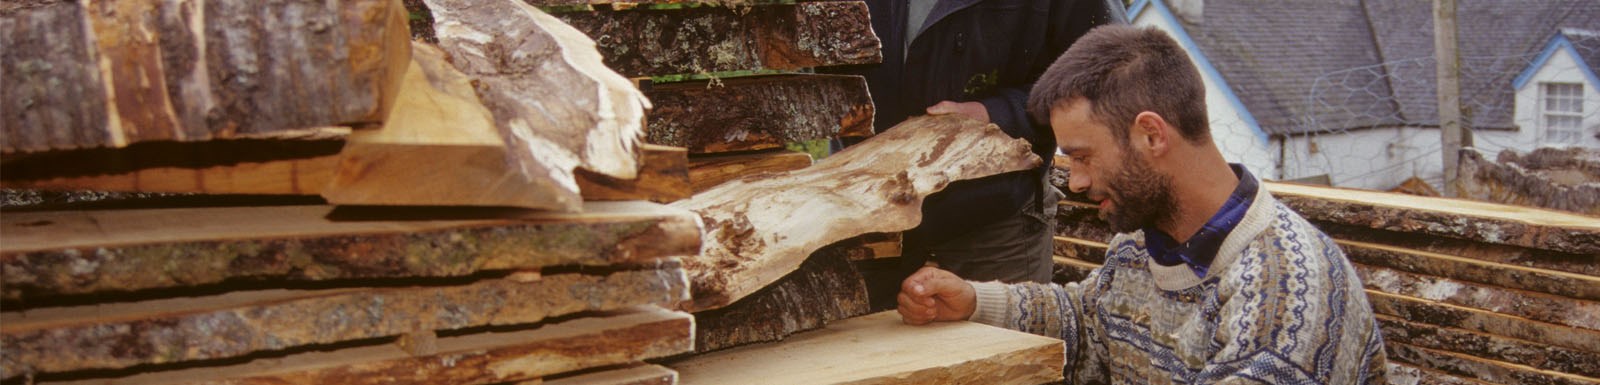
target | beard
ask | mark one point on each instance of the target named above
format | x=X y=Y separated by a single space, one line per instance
x=1142 y=196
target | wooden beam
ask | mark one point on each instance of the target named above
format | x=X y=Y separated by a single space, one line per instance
x=825 y=288
x=1510 y=276
x=484 y=358
x=1489 y=346
x=239 y=323
x=515 y=55
x=643 y=374
x=66 y=253
x=1401 y=373
x=762 y=228
x=663 y=178
x=879 y=349
x=1456 y=218
x=1481 y=369
x=1082 y=221
x=1080 y=249
x=1482 y=251
x=107 y=74
x=709 y=171
x=721 y=39
x=757 y=113
x=1531 y=305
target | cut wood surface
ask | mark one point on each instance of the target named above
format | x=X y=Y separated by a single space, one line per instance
x=1510 y=276
x=826 y=288
x=173 y=330
x=1546 y=357
x=286 y=168
x=109 y=73
x=759 y=229
x=1488 y=252
x=47 y=253
x=1458 y=218
x=516 y=55
x=879 y=349
x=1404 y=374
x=645 y=374
x=760 y=112
x=709 y=171
x=719 y=39
x=1531 y=305
x=1483 y=369
x=485 y=358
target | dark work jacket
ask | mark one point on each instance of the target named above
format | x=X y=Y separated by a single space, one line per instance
x=990 y=51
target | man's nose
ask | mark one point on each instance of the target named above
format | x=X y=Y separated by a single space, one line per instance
x=1078 y=182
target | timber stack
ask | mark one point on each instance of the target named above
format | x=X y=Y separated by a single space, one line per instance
x=342 y=204
x=1465 y=292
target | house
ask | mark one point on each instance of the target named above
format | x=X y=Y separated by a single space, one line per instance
x=1343 y=91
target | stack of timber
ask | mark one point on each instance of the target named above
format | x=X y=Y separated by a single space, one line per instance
x=1465 y=292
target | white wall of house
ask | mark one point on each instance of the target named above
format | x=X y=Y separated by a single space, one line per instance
x=1231 y=128
x=1374 y=159
x=1531 y=132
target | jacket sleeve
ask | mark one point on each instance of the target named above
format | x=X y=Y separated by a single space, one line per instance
x=1070 y=20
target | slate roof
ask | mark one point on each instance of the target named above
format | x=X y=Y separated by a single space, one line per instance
x=1305 y=66
x=1587 y=43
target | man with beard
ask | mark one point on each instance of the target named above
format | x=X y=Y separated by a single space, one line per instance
x=1209 y=279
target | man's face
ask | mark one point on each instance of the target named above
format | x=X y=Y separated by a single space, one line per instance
x=1131 y=193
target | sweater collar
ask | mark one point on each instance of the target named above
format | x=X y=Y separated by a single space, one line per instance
x=1240 y=218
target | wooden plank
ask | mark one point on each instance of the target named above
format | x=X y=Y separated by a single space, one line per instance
x=644 y=374
x=759 y=229
x=1080 y=249
x=1082 y=221
x=239 y=323
x=874 y=246
x=1510 y=350
x=1435 y=313
x=663 y=178
x=483 y=358
x=758 y=112
x=55 y=253
x=721 y=39
x=1457 y=218
x=1503 y=275
x=1488 y=252
x=515 y=55
x=709 y=171
x=825 y=288
x=1404 y=374
x=879 y=349
x=106 y=74
x=1531 y=305
x=1481 y=369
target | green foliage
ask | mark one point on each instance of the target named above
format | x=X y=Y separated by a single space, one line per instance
x=817 y=148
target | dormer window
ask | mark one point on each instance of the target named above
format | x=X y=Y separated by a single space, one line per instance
x=1562 y=107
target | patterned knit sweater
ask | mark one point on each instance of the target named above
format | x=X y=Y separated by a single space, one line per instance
x=1279 y=305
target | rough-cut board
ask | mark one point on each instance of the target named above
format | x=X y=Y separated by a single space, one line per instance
x=1403 y=374
x=1531 y=305
x=761 y=112
x=879 y=349
x=439 y=147
x=1488 y=252
x=1482 y=369
x=1082 y=221
x=485 y=358
x=554 y=103
x=1490 y=346
x=173 y=330
x=759 y=229
x=1457 y=218
x=709 y=171
x=48 y=253
x=1511 y=276
x=299 y=167
x=645 y=374
x=718 y=39
x=108 y=73
x=826 y=288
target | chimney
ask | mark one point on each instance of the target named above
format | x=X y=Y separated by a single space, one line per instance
x=1192 y=11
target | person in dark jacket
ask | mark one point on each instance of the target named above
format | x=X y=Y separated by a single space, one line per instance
x=978 y=58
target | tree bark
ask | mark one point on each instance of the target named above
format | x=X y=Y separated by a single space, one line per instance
x=1511 y=350
x=646 y=374
x=69 y=253
x=759 y=229
x=109 y=336
x=1482 y=369
x=825 y=288
x=756 y=113
x=110 y=73
x=1482 y=321
x=1530 y=305
x=1509 y=276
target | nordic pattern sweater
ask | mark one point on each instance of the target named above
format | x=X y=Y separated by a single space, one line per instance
x=1280 y=305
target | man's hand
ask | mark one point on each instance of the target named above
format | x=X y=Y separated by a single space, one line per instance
x=973 y=110
x=931 y=295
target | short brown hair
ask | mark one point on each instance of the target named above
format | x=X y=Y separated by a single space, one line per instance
x=1122 y=71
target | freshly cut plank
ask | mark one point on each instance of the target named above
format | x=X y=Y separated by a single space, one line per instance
x=760 y=112
x=1482 y=369
x=1511 y=350
x=1531 y=305
x=608 y=339
x=719 y=39
x=516 y=56
x=110 y=73
x=1458 y=218
x=709 y=171
x=663 y=178
x=52 y=253
x=761 y=228
x=879 y=349
x=826 y=288
x=120 y=335
x=644 y=374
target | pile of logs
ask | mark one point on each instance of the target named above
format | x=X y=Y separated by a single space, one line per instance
x=1465 y=292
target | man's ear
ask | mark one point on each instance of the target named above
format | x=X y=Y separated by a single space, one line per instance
x=1151 y=131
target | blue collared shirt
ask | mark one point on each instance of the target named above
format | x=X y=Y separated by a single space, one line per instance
x=1202 y=247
